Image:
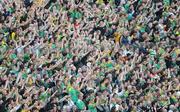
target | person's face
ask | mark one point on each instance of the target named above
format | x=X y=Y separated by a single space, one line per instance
x=150 y=25
x=106 y=81
x=94 y=6
x=79 y=70
x=55 y=109
x=113 y=27
x=102 y=23
x=76 y=59
x=141 y=7
x=10 y=106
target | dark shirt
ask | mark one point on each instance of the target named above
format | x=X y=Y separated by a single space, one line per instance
x=125 y=40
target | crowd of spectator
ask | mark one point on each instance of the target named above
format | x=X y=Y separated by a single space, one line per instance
x=89 y=55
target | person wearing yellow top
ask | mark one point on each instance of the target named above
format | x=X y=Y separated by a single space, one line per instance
x=13 y=34
x=39 y=2
x=3 y=43
x=117 y=37
x=25 y=110
x=30 y=81
x=100 y=2
x=177 y=51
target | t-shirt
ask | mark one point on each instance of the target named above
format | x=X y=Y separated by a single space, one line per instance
x=24 y=75
x=11 y=10
x=26 y=57
x=128 y=76
x=13 y=56
x=75 y=14
x=39 y=2
x=152 y=52
x=60 y=37
x=177 y=51
x=125 y=94
x=30 y=81
x=173 y=99
x=24 y=110
x=14 y=72
x=158 y=66
x=92 y=107
x=80 y=104
x=161 y=51
x=117 y=37
x=139 y=2
x=69 y=56
x=74 y=94
x=99 y=1
x=102 y=87
x=53 y=45
x=109 y=65
x=57 y=6
x=13 y=35
x=130 y=16
x=44 y=96
x=163 y=103
x=50 y=73
x=124 y=40
x=166 y=2
x=142 y=29
x=41 y=33
x=126 y=7
x=173 y=24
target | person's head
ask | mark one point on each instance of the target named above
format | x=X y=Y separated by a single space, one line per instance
x=79 y=70
x=54 y=109
x=75 y=59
